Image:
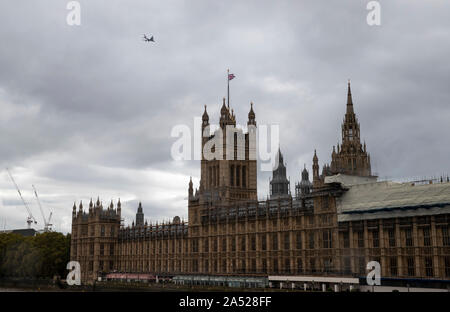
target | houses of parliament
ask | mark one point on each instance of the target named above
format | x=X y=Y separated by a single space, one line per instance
x=332 y=226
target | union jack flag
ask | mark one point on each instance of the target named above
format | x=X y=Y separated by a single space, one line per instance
x=231 y=76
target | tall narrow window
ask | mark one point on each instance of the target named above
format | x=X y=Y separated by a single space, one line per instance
x=346 y=240
x=299 y=240
x=375 y=239
x=238 y=181
x=275 y=265
x=287 y=266
x=312 y=264
x=347 y=265
x=362 y=264
x=210 y=176
x=311 y=240
x=218 y=175
x=408 y=238
x=232 y=175
x=426 y=237
x=360 y=239
x=393 y=266
x=429 y=266
x=244 y=176
x=263 y=242
x=326 y=239
x=391 y=235
x=447 y=266
x=274 y=241
x=243 y=243
x=299 y=265
x=410 y=266
x=286 y=241
x=445 y=236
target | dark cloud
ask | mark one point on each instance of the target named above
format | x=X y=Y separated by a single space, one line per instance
x=88 y=111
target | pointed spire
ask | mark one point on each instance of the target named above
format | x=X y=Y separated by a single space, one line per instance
x=81 y=205
x=349 y=99
x=315 y=159
x=223 y=110
x=205 y=116
x=191 y=189
x=280 y=156
x=119 y=205
x=251 y=115
x=74 y=206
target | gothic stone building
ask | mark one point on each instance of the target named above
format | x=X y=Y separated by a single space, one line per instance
x=332 y=227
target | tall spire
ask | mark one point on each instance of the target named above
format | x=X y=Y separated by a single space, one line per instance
x=315 y=167
x=349 y=99
x=279 y=185
x=251 y=116
x=191 y=189
x=351 y=157
x=140 y=216
x=205 y=116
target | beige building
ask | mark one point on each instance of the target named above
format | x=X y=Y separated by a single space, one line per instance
x=331 y=227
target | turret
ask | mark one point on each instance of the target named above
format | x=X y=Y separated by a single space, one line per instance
x=315 y=167
x=351 y=157
x=140 y=216
x=279 y=185
x=251 y=116
x=191 y=189
x=205 y=118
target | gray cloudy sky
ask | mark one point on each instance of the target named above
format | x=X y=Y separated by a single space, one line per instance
x=88 y=110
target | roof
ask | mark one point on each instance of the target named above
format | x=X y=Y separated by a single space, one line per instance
x=391 y=199
x=347 y=180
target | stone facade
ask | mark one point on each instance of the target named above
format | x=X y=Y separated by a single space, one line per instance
x=230 y=232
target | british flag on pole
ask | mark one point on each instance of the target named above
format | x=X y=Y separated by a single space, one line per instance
x=231 y=76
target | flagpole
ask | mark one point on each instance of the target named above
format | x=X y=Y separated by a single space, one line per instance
x=228 y=81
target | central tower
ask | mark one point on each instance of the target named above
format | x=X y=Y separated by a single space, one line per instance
x=228 y=165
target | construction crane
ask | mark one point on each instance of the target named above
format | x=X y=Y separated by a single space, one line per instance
x=30 y=218
x=47 y=225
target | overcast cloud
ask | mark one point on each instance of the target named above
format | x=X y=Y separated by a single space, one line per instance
x=87 y=111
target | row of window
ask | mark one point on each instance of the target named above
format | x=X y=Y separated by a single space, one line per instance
x=240 y=243
x=407 y=237
x=282 y=266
